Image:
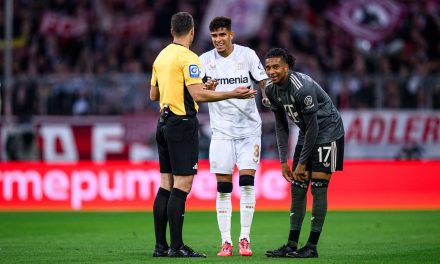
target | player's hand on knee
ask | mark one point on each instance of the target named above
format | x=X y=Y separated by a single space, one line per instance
x=286 y=172
x=300 y=173
x=301 y=177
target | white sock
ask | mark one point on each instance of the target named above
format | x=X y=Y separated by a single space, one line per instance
x=247 y=208
x=224 y=215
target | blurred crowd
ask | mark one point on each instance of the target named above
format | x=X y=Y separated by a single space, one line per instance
x=94 y=57
x=99 y=63
x=392 y=73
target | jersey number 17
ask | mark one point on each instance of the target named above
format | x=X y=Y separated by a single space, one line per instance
x=327 y=154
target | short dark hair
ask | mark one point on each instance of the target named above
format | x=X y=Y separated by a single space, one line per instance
x=283 y=54
x=220 y=22
x=181 y=23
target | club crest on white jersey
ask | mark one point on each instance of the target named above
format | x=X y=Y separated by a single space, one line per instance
x=233 y=118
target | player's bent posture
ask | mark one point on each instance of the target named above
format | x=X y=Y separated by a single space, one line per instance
x=236 y=129
x=177 y=84
x=319 y=150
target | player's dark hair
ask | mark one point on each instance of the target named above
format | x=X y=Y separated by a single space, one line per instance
x=181 y=23
x=220 y=22
x=283 y=54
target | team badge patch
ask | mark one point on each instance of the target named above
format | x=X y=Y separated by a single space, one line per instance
x=239 y=66
x=308 y=100
x=194 y=71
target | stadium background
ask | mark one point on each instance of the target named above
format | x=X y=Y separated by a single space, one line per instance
x=77 y=127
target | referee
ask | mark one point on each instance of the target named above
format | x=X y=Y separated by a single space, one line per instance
x=176 y=82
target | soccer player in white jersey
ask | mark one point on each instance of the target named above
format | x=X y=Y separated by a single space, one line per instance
x=236 y=129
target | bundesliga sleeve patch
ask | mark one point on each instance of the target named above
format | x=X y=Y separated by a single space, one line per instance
x=194 y=71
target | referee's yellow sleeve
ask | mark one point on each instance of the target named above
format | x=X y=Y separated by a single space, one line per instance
x=153 y=77
x=191 y=68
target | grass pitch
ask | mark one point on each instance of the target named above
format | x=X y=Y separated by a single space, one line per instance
x=121 y=237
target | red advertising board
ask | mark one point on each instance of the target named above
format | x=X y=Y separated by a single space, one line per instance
x=132 y=186
x=379 y=135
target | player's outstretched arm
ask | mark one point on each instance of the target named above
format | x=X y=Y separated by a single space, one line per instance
x=154 y=93
x=199 y=94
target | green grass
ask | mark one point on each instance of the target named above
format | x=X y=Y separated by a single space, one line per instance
x=89 y=237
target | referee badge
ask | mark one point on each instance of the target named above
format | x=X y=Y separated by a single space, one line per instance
x=194 y=71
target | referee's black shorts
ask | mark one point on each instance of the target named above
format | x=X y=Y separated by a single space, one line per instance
x=326 y=157
x=178 y=144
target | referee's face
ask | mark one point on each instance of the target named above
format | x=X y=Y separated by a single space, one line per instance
x=222 y=41
x=277 y=70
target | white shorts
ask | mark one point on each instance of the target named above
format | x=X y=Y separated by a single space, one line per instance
x=225 y=153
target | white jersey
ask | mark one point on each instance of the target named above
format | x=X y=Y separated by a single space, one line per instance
x=233 y=118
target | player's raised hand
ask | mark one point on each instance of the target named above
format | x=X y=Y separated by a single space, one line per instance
x=211 y=84
x=287 y=172
x=244 y=93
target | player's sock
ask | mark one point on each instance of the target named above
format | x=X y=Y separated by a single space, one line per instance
x=160 y=216
x=224 y=210
x=319 y=209
x=176 y=212
x=247 y=205
x=297 y=209
x=294 y=235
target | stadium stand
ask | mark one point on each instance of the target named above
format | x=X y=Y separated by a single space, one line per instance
x=73 y=57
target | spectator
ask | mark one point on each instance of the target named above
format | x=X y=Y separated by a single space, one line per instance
x=324 y=50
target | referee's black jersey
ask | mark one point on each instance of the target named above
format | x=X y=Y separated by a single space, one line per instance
x=174 y=69
x=300 y=95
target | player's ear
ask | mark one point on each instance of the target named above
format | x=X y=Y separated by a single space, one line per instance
x=232 y=35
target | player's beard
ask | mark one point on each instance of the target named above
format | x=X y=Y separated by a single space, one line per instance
x=222 y=52
x=225 y=50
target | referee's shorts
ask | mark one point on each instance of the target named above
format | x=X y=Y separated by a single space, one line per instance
x=178 y=145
